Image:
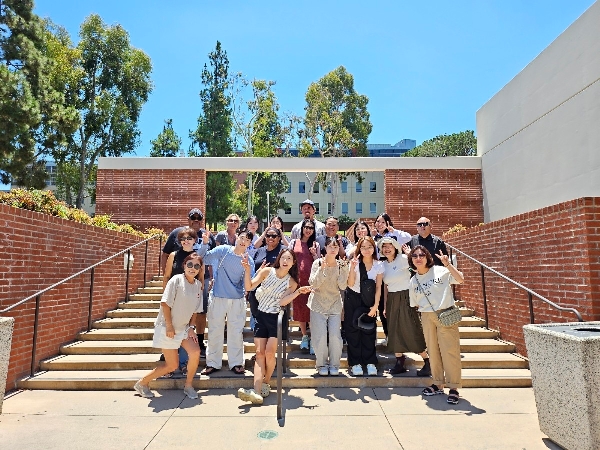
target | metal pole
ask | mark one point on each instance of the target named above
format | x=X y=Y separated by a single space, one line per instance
x=268 y=209
x=531 y=317
x=35 y=329
x=485 y=306
x=159 y=253
x=279 y=364
x=127 y=277
x=145 y=262
x=91 y=297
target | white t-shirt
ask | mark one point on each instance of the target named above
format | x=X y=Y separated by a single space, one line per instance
x=436 y=284
x=376 y=269
x=396 y=274
x=184 y=299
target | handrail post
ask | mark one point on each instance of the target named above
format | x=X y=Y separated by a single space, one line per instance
x=280 y=363
x=453 y=285
x=531 y=317
x=485 y=306
x=127 y=277
x=145 y=262
x=35 y=332
x=91 y=299
x=159 y=253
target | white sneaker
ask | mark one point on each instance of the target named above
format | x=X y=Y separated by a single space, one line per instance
x=371 y=370
x=250 y=395
x=144 y=391
x=265 y=390
x=304 y=344
x=334 y=371
x=357 y=370
x=323 y=371
x=385 y=341
x=190 y=392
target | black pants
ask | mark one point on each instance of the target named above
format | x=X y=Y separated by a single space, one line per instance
x=360 y=343
x=381 y=316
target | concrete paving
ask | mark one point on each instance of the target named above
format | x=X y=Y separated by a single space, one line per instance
x=384 y=418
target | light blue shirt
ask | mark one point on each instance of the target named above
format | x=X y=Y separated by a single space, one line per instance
x=229 y=274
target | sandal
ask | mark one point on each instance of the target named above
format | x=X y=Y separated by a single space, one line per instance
x=183 y=369
x=453 y=397
x=432 y=390
x=209 y=370
x=238 y=370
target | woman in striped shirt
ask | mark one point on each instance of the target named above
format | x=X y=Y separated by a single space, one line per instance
x=278 y=287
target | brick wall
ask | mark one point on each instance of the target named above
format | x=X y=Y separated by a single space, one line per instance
x=554 y=251
x=40 y=250
x=150 y=198
x=445 y=196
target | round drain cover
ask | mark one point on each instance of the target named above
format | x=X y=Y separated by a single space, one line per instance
x=267 y=434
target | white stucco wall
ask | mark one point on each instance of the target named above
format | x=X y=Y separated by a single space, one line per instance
x=539 y=137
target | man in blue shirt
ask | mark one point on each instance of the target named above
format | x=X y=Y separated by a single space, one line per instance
x=226 y=300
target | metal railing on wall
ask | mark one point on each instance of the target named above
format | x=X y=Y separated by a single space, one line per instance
x=91 y=269
x=530 y=293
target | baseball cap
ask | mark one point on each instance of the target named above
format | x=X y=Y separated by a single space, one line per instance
x=195 y=211
x=308 y=201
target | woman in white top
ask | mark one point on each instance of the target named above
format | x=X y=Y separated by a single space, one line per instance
x=431 y=291
x=361 y=229
x=278 y=287
x=360 y=340
x=404 y=324
x=173 y=328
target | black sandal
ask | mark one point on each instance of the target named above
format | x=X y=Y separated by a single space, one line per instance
x=432 y=390
x=209 y=370
x=453 y=397
x=238 y=370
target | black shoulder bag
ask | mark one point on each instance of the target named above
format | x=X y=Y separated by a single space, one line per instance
x=367 y=286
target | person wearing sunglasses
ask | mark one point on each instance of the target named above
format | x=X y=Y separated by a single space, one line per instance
x=432 y=243
x=174 y=326
x=227 y=236
x=308 y=210
x=430 y=291
x=195 y=218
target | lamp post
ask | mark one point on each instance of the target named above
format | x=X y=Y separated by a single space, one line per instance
x=268 y=210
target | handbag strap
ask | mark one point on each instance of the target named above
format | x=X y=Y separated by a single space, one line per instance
x=425 y=294
x=363 y=271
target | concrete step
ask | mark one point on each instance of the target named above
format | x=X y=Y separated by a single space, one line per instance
x=130 y=313
x=145 y=297
x=297 y=378
x=150 y=290
x=154 y=283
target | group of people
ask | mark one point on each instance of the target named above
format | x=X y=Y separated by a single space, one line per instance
x=337 y=288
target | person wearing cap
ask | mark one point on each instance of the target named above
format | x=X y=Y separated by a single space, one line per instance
x=307 y=208
x=195 y=218
x=404 y=324
x=431 y=242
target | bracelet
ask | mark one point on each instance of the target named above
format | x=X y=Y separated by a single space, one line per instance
x=191 y=327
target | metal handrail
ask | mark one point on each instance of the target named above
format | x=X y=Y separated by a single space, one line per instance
x=530 y=293
x=38 y=295
x=281 y=361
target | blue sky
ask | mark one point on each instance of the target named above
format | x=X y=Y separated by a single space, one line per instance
x=427 y=67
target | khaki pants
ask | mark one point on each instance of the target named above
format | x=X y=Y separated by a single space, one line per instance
x=443 y=346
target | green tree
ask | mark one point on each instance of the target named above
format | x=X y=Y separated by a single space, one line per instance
x=336 y=124
x=456 y=144
x=34 y=118
x=212 y=136
x=262 y=134
x=112 y=84
x=167 y=143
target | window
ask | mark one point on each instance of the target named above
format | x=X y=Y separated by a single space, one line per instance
x=329 y=208
x=316 y=208
x=359 y=208
x=345 y=208
x=373 y=208
x=287 y=210
x=373 y=186
x=316 y=188
x=302 y=187
x=300 y=208
x=358 y=187
x=344 y=187
x=51 y=169
x=289 y=188
x=329 y=188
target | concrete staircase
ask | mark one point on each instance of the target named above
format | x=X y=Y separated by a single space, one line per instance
x=118 y=351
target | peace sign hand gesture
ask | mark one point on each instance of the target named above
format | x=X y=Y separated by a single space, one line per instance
x=444 y=258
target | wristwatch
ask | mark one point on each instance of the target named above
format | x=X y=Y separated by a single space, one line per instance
x=193 y=327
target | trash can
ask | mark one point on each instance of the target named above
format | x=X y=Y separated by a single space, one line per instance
x=6 y=330
x=564 y=359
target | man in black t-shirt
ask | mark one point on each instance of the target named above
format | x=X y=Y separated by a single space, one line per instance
x=195 y=218
x=431 y=242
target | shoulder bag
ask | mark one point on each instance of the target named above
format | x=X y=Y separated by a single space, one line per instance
x=367 y=286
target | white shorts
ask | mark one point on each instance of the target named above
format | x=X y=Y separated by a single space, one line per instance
x=161 y=340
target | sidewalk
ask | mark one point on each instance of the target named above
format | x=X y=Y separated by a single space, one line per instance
x=382 y=418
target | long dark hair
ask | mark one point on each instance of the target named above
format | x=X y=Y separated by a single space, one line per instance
x=357 y=252
x=387 y=219
x=294 y=269
x=313 y=236
x=361 y=222
x=280 y=221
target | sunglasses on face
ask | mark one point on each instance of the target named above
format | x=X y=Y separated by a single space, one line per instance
x=186 y=238
x=196 y=218
x=310 y=228
x=233 y=220
x=272 y=236
x=418 y=255
x=191 y=265
x=423 y=224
